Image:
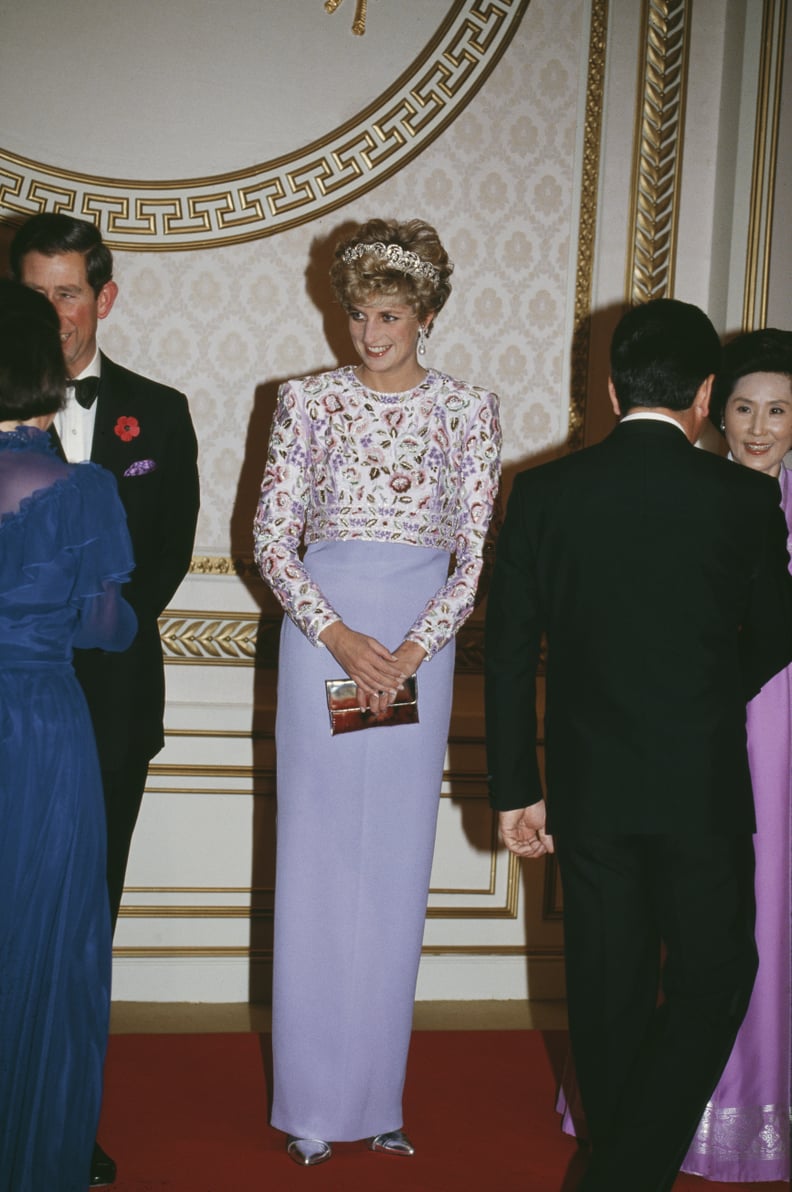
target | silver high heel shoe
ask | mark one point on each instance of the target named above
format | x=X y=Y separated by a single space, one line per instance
x=395 y=1142
x=308 y=1151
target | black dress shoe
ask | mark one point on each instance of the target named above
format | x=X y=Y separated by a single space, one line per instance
x=103 y=1169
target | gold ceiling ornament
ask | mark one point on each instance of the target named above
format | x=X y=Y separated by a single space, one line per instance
x=657 y=163
x=359 y=23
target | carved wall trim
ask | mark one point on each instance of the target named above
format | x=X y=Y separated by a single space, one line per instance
x=272 y=196
x=265 y=954
x=657 y=162
x=768 y=111
x=504 y=908
x=247 y=639
x=587 y=223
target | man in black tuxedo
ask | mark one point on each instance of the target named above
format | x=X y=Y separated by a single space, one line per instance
x=140 y=431
x=658 y=573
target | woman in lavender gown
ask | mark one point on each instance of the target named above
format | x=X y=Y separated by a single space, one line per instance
x=385 y=470
x=744 y=1133
x=64 y=552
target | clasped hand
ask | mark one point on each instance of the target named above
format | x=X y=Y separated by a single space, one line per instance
x=376 y=671
x=523 y=831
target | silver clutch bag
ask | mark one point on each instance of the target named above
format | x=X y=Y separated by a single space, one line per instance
x=347 y=717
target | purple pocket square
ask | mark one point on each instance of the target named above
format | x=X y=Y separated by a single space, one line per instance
x=140 y=467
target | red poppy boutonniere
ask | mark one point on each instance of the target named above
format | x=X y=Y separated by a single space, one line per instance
x=127 y=429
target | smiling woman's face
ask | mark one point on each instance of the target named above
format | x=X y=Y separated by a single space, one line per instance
x=758 y=421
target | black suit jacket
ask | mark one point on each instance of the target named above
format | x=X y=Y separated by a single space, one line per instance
x=143 y=434
x=658 y=573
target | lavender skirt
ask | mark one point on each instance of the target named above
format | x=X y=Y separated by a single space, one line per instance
x=355 y=836
x=743 y=1136
x=744 y=1133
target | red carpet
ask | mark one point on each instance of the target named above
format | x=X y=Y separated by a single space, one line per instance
x=188 y=1113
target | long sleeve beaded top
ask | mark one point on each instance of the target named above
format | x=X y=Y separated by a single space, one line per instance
x=420 y=467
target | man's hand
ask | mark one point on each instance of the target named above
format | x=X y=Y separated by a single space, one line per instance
x=522 y=831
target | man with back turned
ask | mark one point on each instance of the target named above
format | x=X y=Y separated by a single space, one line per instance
x=658 y=574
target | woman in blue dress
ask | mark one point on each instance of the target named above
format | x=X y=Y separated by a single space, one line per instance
x=64 y=552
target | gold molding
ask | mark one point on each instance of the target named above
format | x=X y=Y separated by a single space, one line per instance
x=266 y=914
x=225 y=637
x=196 y=638
x=453 y=778
x=587 y=222
x=259 y=955
x=657 y=159
x=273 y=196
x=504 y=910
x=763 y=174
x=243 y=566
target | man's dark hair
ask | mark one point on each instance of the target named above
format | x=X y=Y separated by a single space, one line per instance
x=661 y=352
x=766 y=351
x=53 y=233
x=32 y=371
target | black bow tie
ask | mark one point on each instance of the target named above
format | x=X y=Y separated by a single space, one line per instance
x=85 y=391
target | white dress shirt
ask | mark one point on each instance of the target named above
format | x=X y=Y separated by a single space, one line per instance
x=75 y=426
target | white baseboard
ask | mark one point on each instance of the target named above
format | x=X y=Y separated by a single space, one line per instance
x=450 y=977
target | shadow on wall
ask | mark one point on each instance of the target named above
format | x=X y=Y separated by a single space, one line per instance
x=262 y=876
x=542 y=903
x=334 y=319
x=7 y=232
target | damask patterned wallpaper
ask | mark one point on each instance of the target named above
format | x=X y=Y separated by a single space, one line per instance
x=226 y=325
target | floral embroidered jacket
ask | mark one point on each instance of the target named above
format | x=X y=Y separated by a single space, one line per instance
x=420 y=467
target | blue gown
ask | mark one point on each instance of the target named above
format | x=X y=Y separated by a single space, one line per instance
x=64 y=551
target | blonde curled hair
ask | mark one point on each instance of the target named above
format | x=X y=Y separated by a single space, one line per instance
x=417 y=276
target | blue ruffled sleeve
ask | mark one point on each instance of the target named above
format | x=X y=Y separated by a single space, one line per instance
x=106 y=620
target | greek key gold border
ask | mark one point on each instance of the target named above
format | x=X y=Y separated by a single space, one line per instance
x=657 y=158
x=280 y=194
x=763 y=175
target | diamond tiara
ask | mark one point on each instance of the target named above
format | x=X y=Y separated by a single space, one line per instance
x=397 y=257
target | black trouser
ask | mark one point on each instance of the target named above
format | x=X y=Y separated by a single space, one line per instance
x=123 y=794
x=646 y=1067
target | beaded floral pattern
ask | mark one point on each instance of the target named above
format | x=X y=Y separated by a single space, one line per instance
x=420 y=467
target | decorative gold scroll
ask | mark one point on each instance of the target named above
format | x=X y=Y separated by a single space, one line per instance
x=763 y=177
x=658 y=149
x=587 y=222
x=247 y=639
x=359 y=23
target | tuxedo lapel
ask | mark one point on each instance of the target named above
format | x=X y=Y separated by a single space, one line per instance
x=102 y=446
x=54 y=438
x=119 y=437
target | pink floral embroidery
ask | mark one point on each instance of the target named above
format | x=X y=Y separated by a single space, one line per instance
x=127 y=428
x=342 y=465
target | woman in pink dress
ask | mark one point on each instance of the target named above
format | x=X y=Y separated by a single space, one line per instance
x=744 y=1133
